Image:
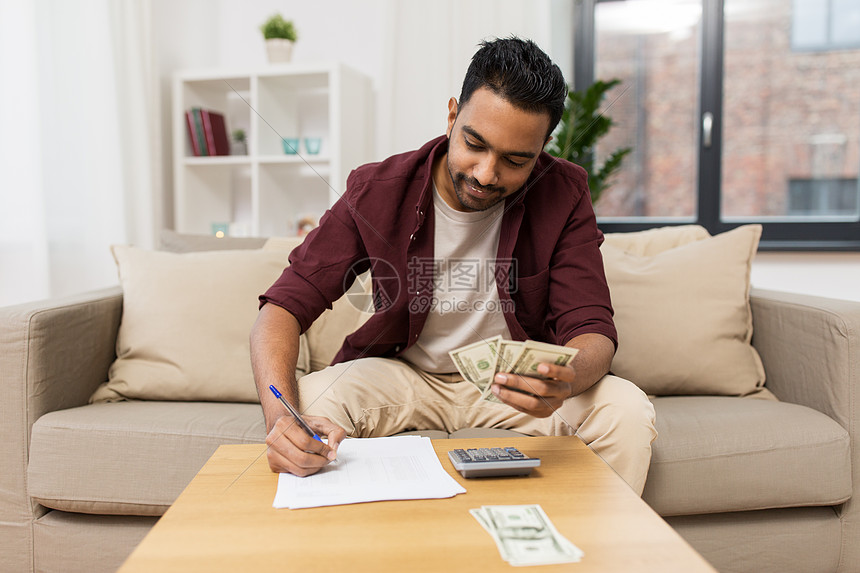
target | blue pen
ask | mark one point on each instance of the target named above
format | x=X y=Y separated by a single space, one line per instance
x=295 y=414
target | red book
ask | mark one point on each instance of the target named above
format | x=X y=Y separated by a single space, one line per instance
x=219 y=129
x=192 y=134
x=216 y=133
x=207 y=131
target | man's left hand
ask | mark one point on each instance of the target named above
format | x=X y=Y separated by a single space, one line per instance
x=538 y=397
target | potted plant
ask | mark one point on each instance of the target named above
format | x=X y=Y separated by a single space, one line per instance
x=280 y=35
x=577 y=133
x=240 y=142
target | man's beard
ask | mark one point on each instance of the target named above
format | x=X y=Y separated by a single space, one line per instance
x=469 y=201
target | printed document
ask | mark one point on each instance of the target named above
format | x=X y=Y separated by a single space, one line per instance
x=371 y=469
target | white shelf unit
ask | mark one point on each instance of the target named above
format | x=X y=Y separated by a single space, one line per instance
x=266 y=192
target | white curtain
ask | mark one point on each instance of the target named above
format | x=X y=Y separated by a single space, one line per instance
x=78 y=169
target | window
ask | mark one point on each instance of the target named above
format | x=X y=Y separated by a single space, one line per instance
x=824 y=197
x=825 y=24
x=729 y=120
x=656 y=54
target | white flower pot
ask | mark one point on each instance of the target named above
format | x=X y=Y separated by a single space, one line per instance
x=279 y=50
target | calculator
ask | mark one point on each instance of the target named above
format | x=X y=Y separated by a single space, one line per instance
x=491 y=462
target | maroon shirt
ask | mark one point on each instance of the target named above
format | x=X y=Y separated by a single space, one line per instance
x=385 y=222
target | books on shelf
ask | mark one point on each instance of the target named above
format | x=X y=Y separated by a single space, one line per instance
x=207 y=132
x=192 y=134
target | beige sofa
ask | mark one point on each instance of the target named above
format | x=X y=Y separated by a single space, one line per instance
x=753 y=484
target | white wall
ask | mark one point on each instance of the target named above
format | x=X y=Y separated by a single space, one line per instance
x=834 y=275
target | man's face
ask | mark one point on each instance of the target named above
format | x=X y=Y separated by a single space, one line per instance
x=492 y=150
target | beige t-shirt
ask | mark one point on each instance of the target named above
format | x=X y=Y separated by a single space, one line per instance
x=465 y=306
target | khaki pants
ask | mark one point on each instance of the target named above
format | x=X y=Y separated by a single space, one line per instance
x=372 y=397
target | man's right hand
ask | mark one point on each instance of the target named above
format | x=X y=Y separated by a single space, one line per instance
x=292 y=450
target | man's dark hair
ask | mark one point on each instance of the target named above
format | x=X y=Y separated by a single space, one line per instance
x=519 y=72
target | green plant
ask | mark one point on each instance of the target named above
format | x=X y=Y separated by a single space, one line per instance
x=581 y=126
x=277 y=27
x=239 y=135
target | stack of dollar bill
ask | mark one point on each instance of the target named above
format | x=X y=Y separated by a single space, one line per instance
x=480 y=362
x=525 y=535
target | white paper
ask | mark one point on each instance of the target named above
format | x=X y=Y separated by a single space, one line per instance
x=371 y=469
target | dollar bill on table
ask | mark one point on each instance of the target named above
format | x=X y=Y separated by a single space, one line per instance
x=476 y=362
x=525 y=535
x=524 y=357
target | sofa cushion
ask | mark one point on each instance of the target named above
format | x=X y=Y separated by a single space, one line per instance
x=187 y=243
x=683 y=314
x=713 y=454
x=719 y=454
x=185 y=324
x=136 y=457
x=131 y=458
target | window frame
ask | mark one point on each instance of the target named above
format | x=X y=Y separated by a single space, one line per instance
x=776 y=235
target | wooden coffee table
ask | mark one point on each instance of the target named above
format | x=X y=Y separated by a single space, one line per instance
x=224 y=521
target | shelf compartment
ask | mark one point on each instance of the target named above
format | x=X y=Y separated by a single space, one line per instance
x=292 y=106
x=266 y=192
x=216 y=194
x=228 y=96
x=286 y=196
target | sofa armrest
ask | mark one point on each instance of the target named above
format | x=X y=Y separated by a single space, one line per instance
x=58 y=351
x=810 y=347
x=53 y=355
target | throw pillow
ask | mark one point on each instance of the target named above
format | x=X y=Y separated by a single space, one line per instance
x=655 y=241
x=346 y=315
x=683 y=315
x=326 y=334
x=185 y=324
x=283 y=244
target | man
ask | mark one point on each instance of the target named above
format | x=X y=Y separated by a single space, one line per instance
x=483 y=201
